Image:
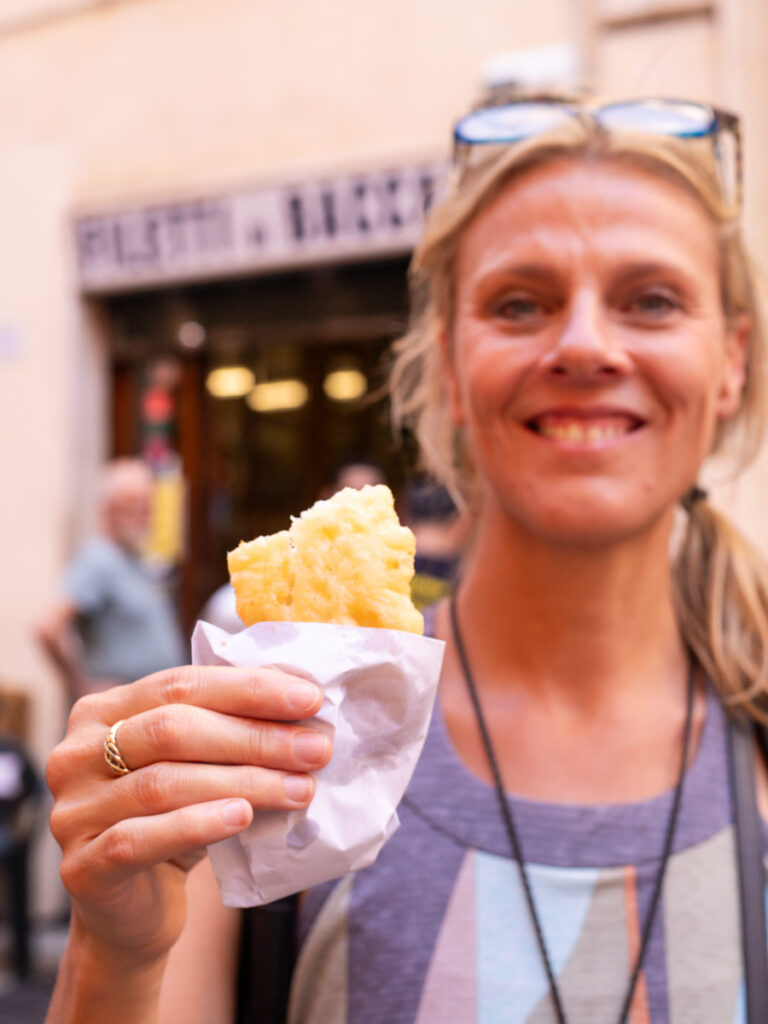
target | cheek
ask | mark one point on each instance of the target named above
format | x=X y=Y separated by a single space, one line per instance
x=687 y=387
x=488 y=374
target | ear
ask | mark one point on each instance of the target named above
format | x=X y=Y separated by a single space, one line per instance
x=734 y=374
x=452 y=388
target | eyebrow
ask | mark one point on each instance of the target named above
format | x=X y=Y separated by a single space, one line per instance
x=649 y=268
x=530 y=271
x=624 y=270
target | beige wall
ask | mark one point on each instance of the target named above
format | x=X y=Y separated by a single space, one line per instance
x=667 y=58
x=178 y=93
x=743 y=84
x=27 y=15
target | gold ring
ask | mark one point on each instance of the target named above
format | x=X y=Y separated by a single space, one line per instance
x=112 y=754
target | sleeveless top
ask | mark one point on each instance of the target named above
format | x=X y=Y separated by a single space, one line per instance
x=437 y=931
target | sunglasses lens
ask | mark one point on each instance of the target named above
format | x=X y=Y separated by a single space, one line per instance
x=509 y=123
x=684 y=120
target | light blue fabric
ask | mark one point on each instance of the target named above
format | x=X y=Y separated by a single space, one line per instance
x=508 y=957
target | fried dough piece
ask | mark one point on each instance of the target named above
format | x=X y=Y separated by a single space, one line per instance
x=261 y=574
x=345 y=560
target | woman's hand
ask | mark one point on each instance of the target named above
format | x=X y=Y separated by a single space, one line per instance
x=207 y=746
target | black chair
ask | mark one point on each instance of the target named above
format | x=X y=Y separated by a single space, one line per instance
x=21 y=792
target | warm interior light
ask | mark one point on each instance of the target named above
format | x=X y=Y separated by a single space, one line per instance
x=229 y=381
x=278 y=395
x=345 y=385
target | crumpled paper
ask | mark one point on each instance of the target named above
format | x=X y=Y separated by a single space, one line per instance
x=379 y=687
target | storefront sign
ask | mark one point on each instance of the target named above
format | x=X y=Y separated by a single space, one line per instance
x=346 y=217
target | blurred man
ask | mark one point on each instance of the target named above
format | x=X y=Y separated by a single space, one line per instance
x=356 y=473
x=112 y=624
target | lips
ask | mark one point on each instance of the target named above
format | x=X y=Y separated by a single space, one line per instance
x=584 y=426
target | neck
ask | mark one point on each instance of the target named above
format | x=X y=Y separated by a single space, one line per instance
x=576 y=624
x=129 y=550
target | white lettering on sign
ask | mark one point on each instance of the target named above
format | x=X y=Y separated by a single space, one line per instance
x=345 y=217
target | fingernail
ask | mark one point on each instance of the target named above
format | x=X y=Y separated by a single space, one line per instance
x=310 y=746
x=297 y=787
x=235 y=814
x=302 y=696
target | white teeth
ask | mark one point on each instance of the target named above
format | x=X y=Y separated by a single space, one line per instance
x=580 y=433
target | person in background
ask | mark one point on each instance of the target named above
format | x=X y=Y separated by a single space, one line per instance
x=21 y=814
x=112 y=623
x=441 y=532
x=220 y=610
x=355 y=473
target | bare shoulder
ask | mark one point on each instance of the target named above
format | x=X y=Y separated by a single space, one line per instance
x=199 y=982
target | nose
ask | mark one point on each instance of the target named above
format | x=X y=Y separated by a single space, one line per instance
x=588 y=347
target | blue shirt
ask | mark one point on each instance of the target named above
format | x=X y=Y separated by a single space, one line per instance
x=127 y=625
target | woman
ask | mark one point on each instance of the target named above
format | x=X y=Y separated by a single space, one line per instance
x=585 y=334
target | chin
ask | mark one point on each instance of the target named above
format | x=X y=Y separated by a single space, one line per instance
x=591 y=521
x=135 y=541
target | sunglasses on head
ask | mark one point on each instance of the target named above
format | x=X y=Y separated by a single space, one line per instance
x=509 y=122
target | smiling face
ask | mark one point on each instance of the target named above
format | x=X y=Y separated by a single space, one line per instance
x=589 y=357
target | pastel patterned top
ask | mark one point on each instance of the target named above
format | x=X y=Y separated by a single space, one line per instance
x=437 y=930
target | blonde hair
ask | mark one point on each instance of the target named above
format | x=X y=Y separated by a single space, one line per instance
x=720 y=580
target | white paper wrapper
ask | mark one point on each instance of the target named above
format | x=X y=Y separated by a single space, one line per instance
x=379 y=688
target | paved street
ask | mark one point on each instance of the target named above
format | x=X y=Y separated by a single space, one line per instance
x=25 y=1002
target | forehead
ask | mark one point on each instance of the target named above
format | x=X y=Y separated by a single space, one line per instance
x=130 y=490
x=573 y=208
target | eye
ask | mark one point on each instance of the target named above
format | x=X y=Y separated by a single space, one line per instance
x=653 y=303
x=519 y=308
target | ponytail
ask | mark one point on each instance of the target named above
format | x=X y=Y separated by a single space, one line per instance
x=721 y=593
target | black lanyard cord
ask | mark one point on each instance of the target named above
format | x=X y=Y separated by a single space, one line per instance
x=514 y=838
